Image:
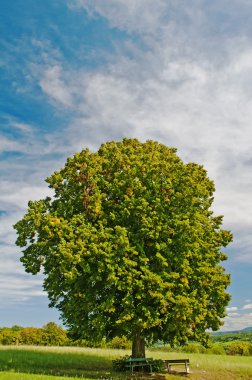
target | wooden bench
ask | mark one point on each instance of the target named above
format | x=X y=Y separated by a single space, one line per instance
x=170 y=363
x=141 y=363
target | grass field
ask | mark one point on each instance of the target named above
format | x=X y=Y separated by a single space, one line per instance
x=48 y=363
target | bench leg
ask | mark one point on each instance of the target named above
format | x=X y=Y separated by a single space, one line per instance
x=187 y=368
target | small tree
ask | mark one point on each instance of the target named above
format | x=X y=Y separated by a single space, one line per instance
x=32 y=336
x=54 y=335
x=129 y=245
x=9 y=336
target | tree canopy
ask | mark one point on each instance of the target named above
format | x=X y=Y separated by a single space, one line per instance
x=129 y=245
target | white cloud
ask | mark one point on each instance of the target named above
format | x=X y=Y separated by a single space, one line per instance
x=125 y=15
x=233 y=314
x=10 y=145
x=237 y=322
x=27 y=141
x=19 y=289
x=247 y=307
x=53 y=84
x=18 y=194
x=231 y=309
x=23 y=127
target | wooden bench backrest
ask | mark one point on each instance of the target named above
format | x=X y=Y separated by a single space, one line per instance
x=177 y=361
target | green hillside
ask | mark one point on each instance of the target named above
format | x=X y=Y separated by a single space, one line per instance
x=244 y=335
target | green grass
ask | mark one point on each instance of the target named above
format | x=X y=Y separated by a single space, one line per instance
x=48 y=363
x=70 y=362
x=29 y=376
x=215 y=367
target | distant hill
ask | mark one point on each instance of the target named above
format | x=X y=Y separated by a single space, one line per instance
x=245 y=330
x=244 y=335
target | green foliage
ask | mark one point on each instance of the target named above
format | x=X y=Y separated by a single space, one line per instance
x=119 y=364
x=158 y=365
x=31 y=336
x=229 y=337
x=54 y=335
x=216 y=349
x=129 y=245
x=120 y=342
x=9 y=336
x=229 y=348
x=194 y=348
x=238 y=348
x=50 y=335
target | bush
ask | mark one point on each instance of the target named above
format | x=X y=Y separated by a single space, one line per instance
x=9 y=337
x=78 y=343
x=239 y=348
x=194 y=348
x=120 y=342
x=158 y=366
x=50 y=335
x=31 y=336
x=216 y=349
x=54 y=335
x=120 y=365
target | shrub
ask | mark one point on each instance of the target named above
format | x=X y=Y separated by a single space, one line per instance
x=239 y=348
x=78 y=343
x=216 y=349
x=158 y=366
x=54 y=335
x=50 y=335
x=9 y=337
x=120 y=365
x=120 y=342
x=31 y=336
x=194 y=348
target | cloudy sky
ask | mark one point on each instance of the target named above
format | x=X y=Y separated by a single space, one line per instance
x=76 y=73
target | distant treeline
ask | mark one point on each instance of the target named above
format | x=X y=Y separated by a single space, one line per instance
x=237 y=343
x=229 y=337
x=51 y=334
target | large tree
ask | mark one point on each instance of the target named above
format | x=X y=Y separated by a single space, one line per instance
x=129 y=245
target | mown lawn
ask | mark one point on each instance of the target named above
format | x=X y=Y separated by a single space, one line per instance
x=47 y=363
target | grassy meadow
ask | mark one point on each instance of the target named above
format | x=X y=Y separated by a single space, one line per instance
x=50 y=363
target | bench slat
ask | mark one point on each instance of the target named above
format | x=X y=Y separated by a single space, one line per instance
x=174 y=361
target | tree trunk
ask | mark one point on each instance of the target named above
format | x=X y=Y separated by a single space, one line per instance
x=138 y=346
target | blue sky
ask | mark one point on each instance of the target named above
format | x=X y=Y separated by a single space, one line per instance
x=76 y=73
